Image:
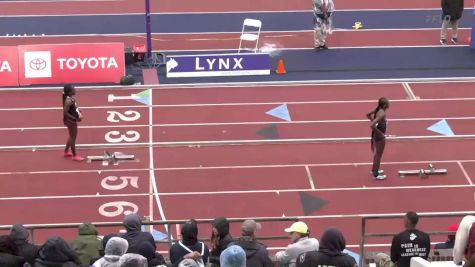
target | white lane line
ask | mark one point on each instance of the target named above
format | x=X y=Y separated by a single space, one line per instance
x=295 y=83
x=234 y=167
x=199 y=143
x=280 y=191
x=241 y=192
x=228 y=123
x=470 y=182
x=151 y=153
x=409 y=92
x=310 y=165
x=310 y=178
x=247 y=103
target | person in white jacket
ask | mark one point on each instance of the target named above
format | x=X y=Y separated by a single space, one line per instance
x=462 y=239
x=322 y=22
x=301 y=242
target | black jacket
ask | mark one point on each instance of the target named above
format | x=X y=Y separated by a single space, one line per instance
x=9 y=253
x=330 y=252
x=256 y=253
x=408 y=244
x=222 y=225
x=453 y=8
x=56 y=253
x=141 y=243
x=189 y=233
x=19 y=236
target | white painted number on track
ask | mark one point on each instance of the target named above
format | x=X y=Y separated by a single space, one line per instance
x=119 y=208
x=117 y=137
x=129 y=115
x=126 y=180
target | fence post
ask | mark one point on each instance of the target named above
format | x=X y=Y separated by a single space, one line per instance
x=363 y=235
x=169 y=234
x=32 y=232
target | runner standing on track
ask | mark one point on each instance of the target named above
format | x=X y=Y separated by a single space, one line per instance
x=71 y=115
x=378 y=135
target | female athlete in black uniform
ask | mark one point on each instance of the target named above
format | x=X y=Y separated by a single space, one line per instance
x=71 y=115
x=378 y=137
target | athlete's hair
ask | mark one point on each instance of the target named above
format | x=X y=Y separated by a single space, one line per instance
x=382 y=103
x=67 y=91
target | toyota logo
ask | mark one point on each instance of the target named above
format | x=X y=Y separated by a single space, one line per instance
x=38 y=64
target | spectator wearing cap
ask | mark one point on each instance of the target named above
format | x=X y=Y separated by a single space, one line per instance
x=189 y=247
x=330 y=253
x=220 y=239
x=464 y=246
x=256 y=253
x=19 y=235
x=409 y=243
x=87 y=245
x=301 y=242
x=233 y=256
x=449 y=244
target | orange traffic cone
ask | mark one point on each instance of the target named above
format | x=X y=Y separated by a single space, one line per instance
x=280 y=68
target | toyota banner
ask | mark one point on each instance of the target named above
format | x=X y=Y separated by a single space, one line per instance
x=71 y=63
x=8 y=66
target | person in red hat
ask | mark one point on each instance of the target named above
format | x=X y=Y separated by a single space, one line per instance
x=449 y=244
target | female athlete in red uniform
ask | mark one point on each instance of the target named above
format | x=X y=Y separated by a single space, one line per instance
x=378 y=135
x=71 y=116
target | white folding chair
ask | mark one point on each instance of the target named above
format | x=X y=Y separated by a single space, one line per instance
x=251 y=30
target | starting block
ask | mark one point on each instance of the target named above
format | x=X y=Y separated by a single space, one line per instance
x=424 y=173
x=107 y=158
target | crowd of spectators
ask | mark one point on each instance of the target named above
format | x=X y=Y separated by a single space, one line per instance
x=137 y=248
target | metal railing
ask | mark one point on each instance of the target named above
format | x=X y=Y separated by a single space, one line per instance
x=365 y=218
x=167 y=224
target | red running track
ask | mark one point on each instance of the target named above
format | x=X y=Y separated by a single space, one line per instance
x=230 y=41
x=240 y=181
x=131 y=6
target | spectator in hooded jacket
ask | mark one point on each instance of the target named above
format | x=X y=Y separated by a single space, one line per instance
x=132 y=260
x=115 y=248
x=451 y=13
x=88 y=245
x=330 y=252
x=9 y=253
x=464 y=247
x=136 y=238
x=256 y=253
x=220 y=239
x=301 y=242
x=189 y=247
x=56 y=253
x=19 y=236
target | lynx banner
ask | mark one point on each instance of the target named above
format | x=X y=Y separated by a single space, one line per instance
x=8 y=66
x=218 y=65
x=71 y=63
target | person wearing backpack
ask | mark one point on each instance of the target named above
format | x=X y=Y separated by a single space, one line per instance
x=189 y=247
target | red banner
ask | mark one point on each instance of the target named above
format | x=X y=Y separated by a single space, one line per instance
x=71 y=63
x=8 y=66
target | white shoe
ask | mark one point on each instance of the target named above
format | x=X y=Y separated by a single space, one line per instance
x=380 y=177
x=379 y=172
